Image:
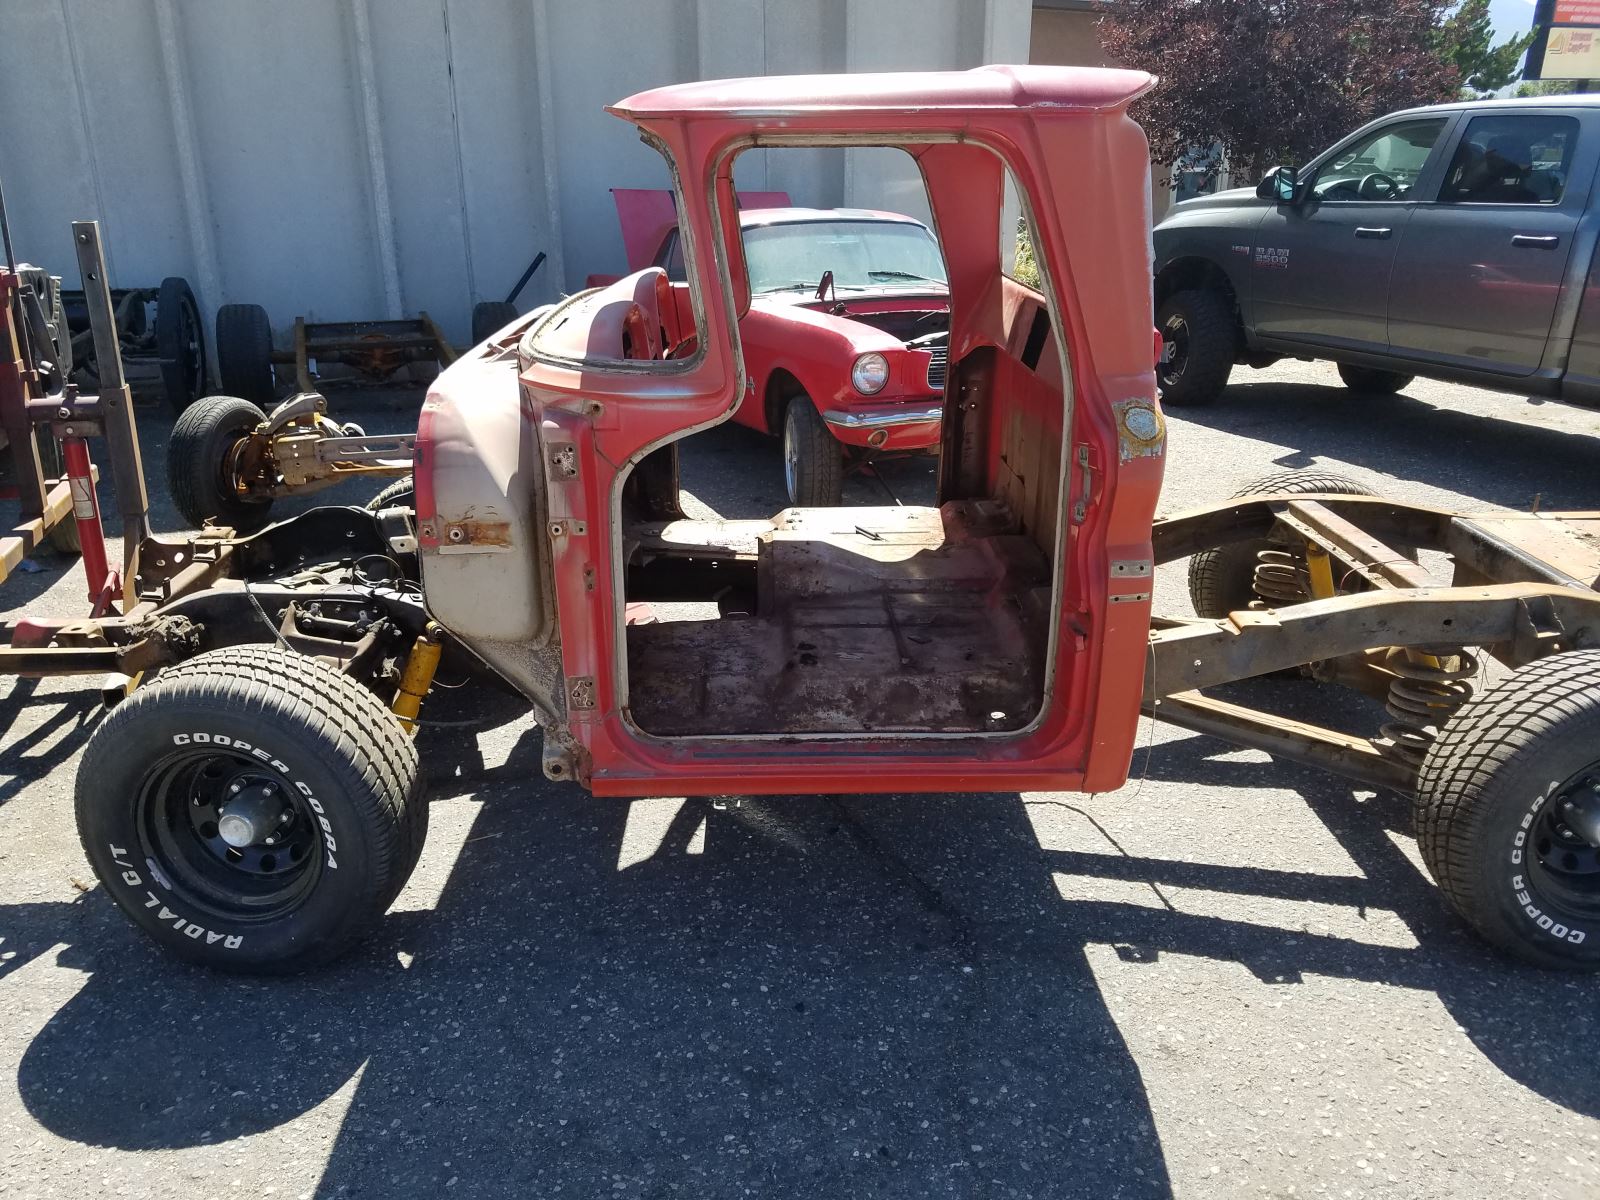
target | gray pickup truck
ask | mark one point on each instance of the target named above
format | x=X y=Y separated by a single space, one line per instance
x=1455 y=242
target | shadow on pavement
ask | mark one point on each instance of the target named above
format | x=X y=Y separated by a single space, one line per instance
x=809 y=995
x=1499 y=461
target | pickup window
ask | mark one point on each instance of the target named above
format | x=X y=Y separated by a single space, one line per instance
x=1512 y=160
x=1384 y=165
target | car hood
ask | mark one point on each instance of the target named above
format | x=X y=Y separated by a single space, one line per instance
x=1232 y=198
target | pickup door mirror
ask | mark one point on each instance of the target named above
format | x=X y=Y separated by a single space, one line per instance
x=1280 y=184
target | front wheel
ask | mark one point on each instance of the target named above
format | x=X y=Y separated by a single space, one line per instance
x=813 y=460
x=1507 y=812
x=1199 y=339
x=1372 y=381
x=202 y=467
x=252 y=810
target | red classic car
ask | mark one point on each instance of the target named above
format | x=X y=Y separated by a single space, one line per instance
x=847 y=333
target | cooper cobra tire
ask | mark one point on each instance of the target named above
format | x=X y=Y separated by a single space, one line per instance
x=489 y=317
x=1222 y=580
x=198 y=458
x=252 y=721
x=1494 y=799
x=1374 y=382
x=244 y=353
x=399 y=493
x=813 y=460
x=1200 y=339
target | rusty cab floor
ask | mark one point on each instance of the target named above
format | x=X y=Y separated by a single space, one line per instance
x=849 y=620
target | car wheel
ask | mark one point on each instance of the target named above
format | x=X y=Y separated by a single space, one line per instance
x=1378 y=383
x=200 y=467
x=1199 y=338
x=1223 y=580
x=253 y=809
x=813 y=460
x=244 y=353
x=1507 y=812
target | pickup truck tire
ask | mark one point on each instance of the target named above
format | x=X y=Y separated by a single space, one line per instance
x=199 y=459
x=1199 y=340
x=813 y=460
x=252 y=810
x=1375 y=382
x=1507 y=812
x=1222 y=580
x=244 y=353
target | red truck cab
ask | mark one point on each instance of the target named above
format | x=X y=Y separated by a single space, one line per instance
x=995 y=640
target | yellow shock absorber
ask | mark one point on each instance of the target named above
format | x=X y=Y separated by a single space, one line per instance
x=417 y=678
x=1320 y=568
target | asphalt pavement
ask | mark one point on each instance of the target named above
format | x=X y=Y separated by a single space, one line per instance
x=1230 y=978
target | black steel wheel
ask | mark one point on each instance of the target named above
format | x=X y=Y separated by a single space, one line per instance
x=181 y=343
x=1199 y=340
x=813 y=460
x=489 y=317
x=202 y=460
x=1507 y=812
x=253 y=809
x=244 y=353
x=1222 y=580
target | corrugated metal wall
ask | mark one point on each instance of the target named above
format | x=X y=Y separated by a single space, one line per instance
x=348 y=159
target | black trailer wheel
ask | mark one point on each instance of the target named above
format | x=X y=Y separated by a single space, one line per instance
x=1374 y=382
x=1199 y=340
x=1222 y=580
x=400 y=493
x=244 y=353
x=1507 y=812
x=813 y=460
x=201 y=462
x=181 y=343
x=252 y=809
x=489 y=317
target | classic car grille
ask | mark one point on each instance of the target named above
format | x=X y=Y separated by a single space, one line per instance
x=937 y=365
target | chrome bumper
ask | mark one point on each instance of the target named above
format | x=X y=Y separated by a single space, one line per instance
x=884 y=417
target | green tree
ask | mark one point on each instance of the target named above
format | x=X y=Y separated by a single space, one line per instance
x=1547 y=87
x=1465 y=40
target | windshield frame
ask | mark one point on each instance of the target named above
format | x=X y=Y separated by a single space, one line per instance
x=919 y=283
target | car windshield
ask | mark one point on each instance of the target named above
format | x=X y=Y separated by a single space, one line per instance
x=861 y=254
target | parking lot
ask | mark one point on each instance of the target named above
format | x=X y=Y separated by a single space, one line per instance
x=1230 y=978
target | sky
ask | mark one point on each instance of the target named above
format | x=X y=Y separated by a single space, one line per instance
x=1511 y=17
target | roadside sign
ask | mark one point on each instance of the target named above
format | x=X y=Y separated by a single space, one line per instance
x=1568 y=41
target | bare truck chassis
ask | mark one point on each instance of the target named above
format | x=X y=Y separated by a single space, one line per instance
x=270 y=757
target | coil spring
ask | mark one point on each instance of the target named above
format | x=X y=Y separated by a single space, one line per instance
x=1281 y=577
x=1422 y=697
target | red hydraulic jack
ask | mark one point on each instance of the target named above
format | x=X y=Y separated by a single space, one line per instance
x=38 y=404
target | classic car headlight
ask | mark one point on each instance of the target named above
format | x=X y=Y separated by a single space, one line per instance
x=870 y=373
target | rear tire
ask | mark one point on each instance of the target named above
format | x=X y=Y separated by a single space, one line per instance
x=490 y=317
x=1374 y=382
x=813 y=459
x=1494 y=799
x=181 y=343
x=1222 y=580
x=1200 y=338
x=199 y=461
x=336 y=828
x=244 y=353
x=400 y=493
